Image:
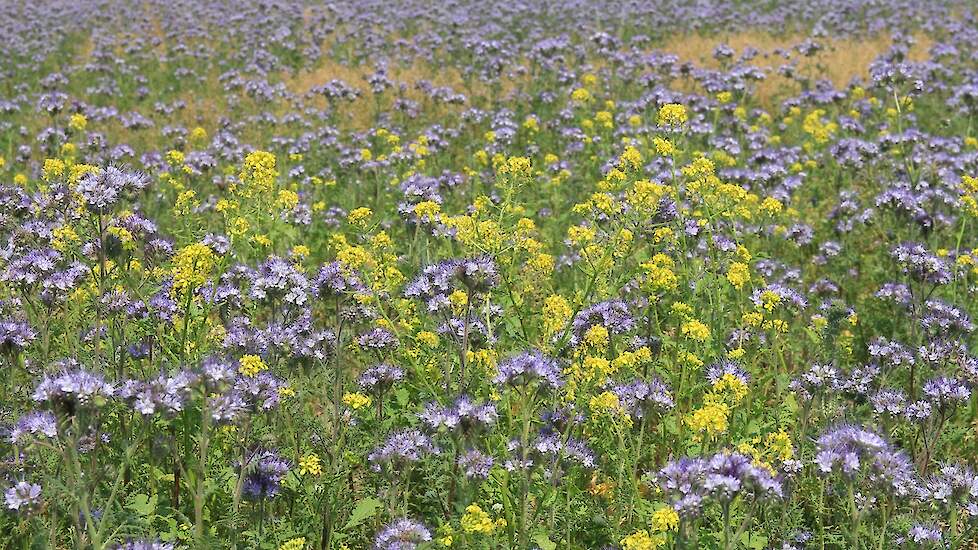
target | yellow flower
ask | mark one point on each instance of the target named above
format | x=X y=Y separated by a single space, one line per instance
x=710 y=419
x=581 y=95
x=311 y=465
x=77 y=122
x=356 y=401
x=665 y=519
x=641 y=540
x=53 y=169
x=294 y=544
x=259 y=174
x=359 y=216
x=251 y=365
x=476 y=520
x=672 y=114
x=192 y=266
x=695 y=330
x=287 y=200
x=556 y=313
x=738 y=274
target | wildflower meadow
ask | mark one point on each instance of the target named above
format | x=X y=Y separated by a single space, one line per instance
x=479 y=275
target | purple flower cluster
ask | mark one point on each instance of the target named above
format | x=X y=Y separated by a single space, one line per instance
x=691 y=483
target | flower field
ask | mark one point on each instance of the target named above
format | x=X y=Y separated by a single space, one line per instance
x=404 y=275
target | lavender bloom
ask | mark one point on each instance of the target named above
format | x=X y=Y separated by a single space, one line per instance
x=277 y=279
x=942 y=318
x=854 y=451
x=918 y=262
x=475 y=464
x=263 y=474
x=464 y=416
x=402 y=534
x=479 y=275
x=954 y=485
x=689 y=483
x=613 y=315
x=335 y=279
x=379 y=378
x=143 y=545
x=378 y=339
x=71 y=388
x=34 y=423
x=847 y=448
x=946 y=392
x=102 y=189
x=640 y=397
x=15 y=336
x=401 y=448
x=527 y=367
x=717 y=371
x=888 y=402
x=818 y=379
x=22 y=497
x=166 y=394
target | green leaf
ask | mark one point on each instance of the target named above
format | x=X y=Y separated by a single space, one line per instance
x=544 y=542
x=365 y=509
x=142 y=504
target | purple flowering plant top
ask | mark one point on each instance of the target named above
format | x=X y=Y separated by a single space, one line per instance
x=413 y=275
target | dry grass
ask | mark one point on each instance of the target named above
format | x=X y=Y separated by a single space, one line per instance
x=840 y=61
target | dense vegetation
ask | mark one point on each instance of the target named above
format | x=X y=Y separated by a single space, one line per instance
x=576 y=275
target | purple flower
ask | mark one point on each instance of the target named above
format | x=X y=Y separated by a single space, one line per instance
x=335 y=279
x=613 y=315
x=15 y=336
x=475 y=464
x=263 y=473
x=34 y=423
x=402 y=534
x=527 y=367
x=918 y=262
x=143 y=545
x=70 y=388
x=22 y=497
x=378 y=339
x=946 y=392
x=716 y=371
x=278 y=280
x=464 y=416
x=100 y=190
x=401 y=448
x=379 y=378
x=164 y=394
x=640 y=397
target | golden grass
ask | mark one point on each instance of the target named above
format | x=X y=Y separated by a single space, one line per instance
x=840 y=61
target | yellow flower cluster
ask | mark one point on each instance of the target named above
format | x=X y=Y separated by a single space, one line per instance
x=192 y=267
x=310 y=465
x=969 y=198
x=738 y=274
x=476 y=520
x=356 y=401
x=659 y=276
x=641 y=540
x=294 y=544
x=251 y=365
x=665 y=519
x=259 y=174
x=672 y=114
